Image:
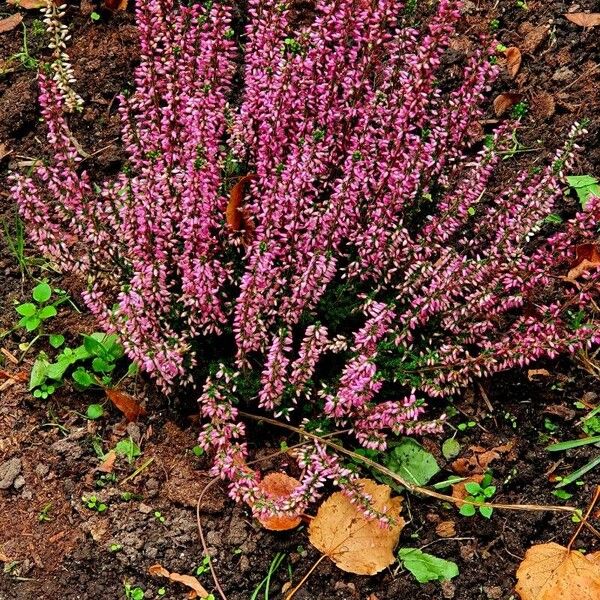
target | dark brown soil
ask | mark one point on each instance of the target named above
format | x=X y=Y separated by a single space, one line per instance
x=48 y=444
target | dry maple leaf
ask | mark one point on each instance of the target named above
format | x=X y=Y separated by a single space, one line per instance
x=197 y=590
x=279 y=485
x=353 y=542
x=446 y=529
x=584 y=19
x=10 y=23
x=513 y=60
x=552 y=572
x=126 y=403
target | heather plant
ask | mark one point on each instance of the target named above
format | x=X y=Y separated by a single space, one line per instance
x=372 y=259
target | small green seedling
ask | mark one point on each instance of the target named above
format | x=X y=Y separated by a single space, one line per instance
x=94 y=16
x=204 y=566
x=519 y=110
x=94 y=411
x=93 y=503
x=198 y=451
x=44 y=514
x=159 y=517
x=132 y=593
x=479 y=493
x=466 y=425
x=115 y=547
x=33 y=314
x=105 y=479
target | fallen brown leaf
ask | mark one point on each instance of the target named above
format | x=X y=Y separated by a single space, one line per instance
x=481 y=458
x=353 y=542
x=116 y=4
x=198 y=591
x=10 y=23
x=235 y=215
x=552 y=572
x=126 y=403
x=446 y=529
x=27 y=4
x=504 y=102
x=279 y=485
x=513 y=60
x=584 y=19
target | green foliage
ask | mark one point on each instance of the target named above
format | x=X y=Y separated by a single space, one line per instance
x=426 y=567
x=412 y=462
x=450 y=448
x=33 y=314
x=94 y=411
x=584 y=186
x=479 y=493
x=132 y=593
x=129 y=449
x=93 y=503
x=91 y=364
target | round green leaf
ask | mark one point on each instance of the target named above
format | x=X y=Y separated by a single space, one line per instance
x=47 y=312
x=26 y=310
x=83 y=378
x=56 y=340
x=42 y=292
x=467 y=510
x=94 y=411
x=486 y=511
x=32 y=323
x=473 y=487
x=450 y=448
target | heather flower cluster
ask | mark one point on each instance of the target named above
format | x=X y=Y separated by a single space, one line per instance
x=377 y=251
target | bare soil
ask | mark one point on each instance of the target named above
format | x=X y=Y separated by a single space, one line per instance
x=46 y=452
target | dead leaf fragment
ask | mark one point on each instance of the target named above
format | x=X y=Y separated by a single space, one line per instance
x=550 y=571
x=534 y=38
x=587 y=258
x=10 y=23
x=236 y=217
x=542 y=105
x=126 y=403
x=533 y=373
x=504 y=102
x=27 y=4
x=197 y=590
x=279 y=485
x=353 y=542
x=584 y=19
x=446 y=529
x=116 y=4
x=108 y=463
x=513 y=60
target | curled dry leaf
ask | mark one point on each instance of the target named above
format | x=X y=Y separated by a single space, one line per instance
x=10 y=23
x=584 y=19
x=236 y=217
x=279 y=485
x=116 y=4
x=504 y=102
x=533 y=373
x=126 y=403
x=481 y=458
x=587 y=258
x=552 y=572
x=353 y=542
x=108 y=463
x=197 y=590
x=513 y=60
x=542 y=105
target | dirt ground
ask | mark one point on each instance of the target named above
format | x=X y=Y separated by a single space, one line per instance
x=48 y=450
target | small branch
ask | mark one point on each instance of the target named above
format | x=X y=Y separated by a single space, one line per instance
x=586 y=517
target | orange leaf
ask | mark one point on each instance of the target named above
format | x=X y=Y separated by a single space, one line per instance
x=197 y=590
x=116 y=4
x=108 y=463
x=10 y=23
x=584 y=19
x=552 y=572
x=354 y=543
x=127 y=404
x=279 y=485
x=236 y=219
x=513 y=60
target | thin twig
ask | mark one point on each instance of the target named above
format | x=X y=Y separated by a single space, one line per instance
x=303 y=580
x=415 y=489
x=585 y=518
x=138 y=471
